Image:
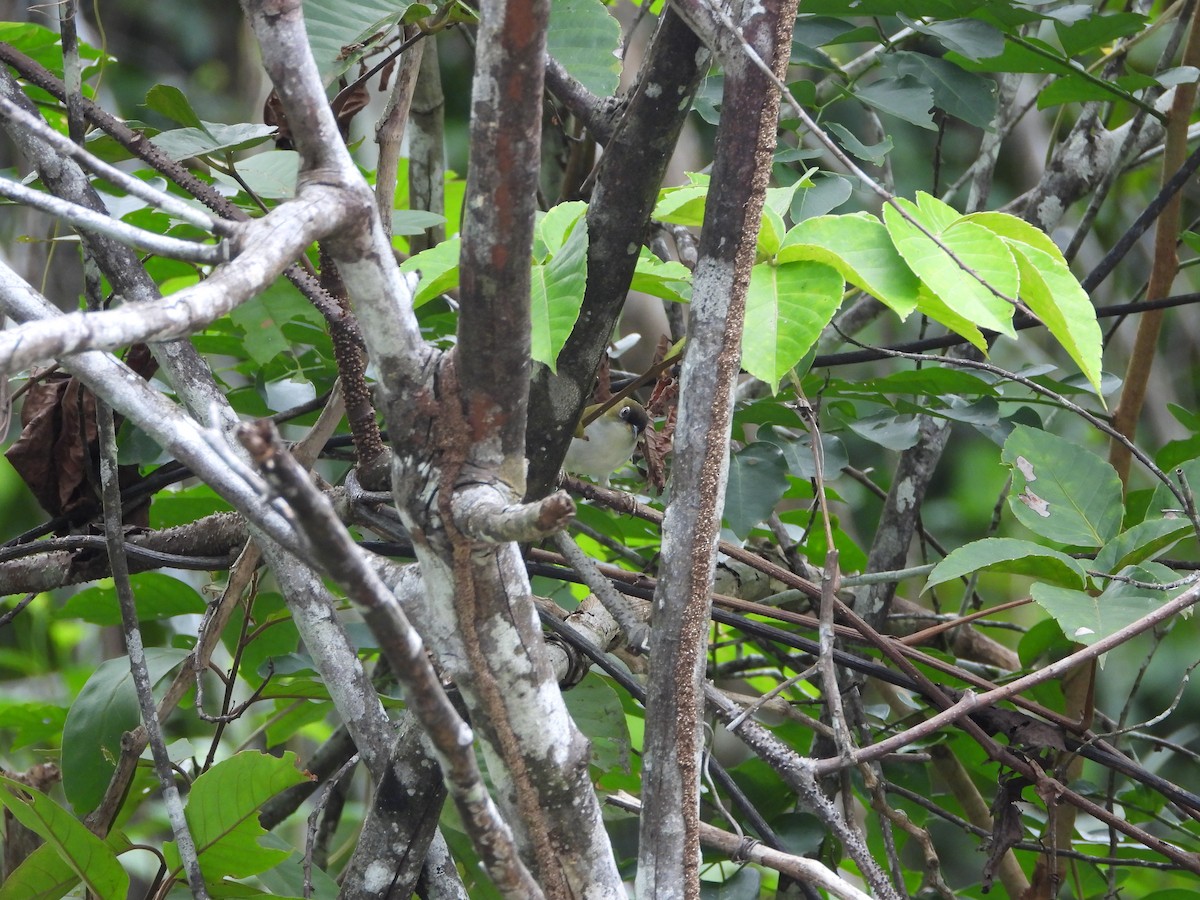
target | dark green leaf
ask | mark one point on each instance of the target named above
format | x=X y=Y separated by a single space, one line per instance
x=970 y=37
x=962 y=94
x=104 y=710
x=586 y=39
x=171 y=102
x=891 y=431
x=1061 y=491
x=1010 y=556
x=905 y=98
x=156 y=596
x=757 y=480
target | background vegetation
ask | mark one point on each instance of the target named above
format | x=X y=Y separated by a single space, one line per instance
x=916 y=519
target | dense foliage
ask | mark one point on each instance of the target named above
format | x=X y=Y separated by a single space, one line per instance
x=894 y=597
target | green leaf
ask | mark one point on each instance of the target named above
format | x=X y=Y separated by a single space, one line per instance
x=438 y=267
x=931 y=305
x=683 y=205
x=586 y=39
x=887 y=429
x=414 y=221
x=787 y=306
x=1077 y=89
x=41 y=876
x=669 y=280
x=556 y=296
x=967 y=293
x=875 y=154
x=827 y=193
x=31 y=723
x=1051 y=292
x=962 y=94
x=270 y=174
x=211 y=138
x=338 y=32
x=1140 y=543
x=972 y=38
x=799 y=453
x=860 y=248
x=262 y=318
x=1061 y=491
x=93 y=861
x=770 y=233
x=1087 y=619
x=757 y=481
x=171 y=102
x=596 y=709
x=156 y=596
x=905 y=98
x=553 y=227
x=1092 y=32
x=105 y=709
x=1013 y=557
x=222 y=813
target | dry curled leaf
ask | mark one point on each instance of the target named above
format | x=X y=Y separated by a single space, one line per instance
x=57 y=453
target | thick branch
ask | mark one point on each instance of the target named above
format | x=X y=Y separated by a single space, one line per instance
x=669 y=858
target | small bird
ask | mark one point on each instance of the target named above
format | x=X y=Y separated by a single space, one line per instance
x=607 y=443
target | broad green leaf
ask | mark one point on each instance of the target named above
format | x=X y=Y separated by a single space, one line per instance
x=1050 y=290
x=586 y=39
x=438 y=267
x=414 y=221
x=41 y=876
x=1061 y=491
x=757 y=481
x=338 y=31
x=1077 y=89
x=93 y=861
x=860 y=248
x=968 y=291
x=553 y=227
x=1142 y=542
x=105 y=709
x=740 y=883
x=938 y=215
x=1087 y=619
x=31 y=723
x=288 y=879
x=770 y=233
x=1092 y=32
x=556 y=296
x=683 y=205
x=262 y=318
x=970 y=37
x=787 y=306
x=930 y=304
x=887 y=430
x=596 y=709
x=799 y=453
x=171 y=102
x=934 y=381
x=213 y=137
x=271 y=174
x=156 y=596
x=905 y=98
x=874 y=154
x=1010 y=556
x=827 y=193
x=962 y=94
x=222 y=813
x=1054 y=296
x=669 y=280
